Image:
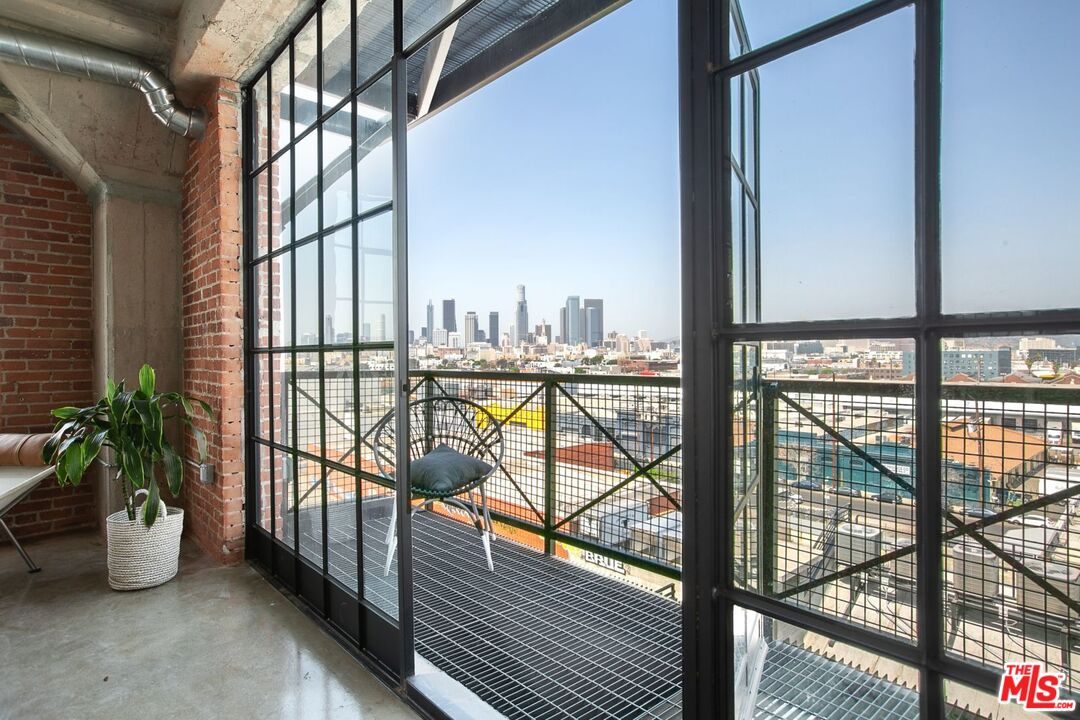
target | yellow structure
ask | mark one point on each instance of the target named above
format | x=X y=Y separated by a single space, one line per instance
x=533 y=419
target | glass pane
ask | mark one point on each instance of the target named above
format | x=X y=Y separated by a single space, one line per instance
x=338 y=407
x=281 y=300
x=280 y=103
x=280 y=204
x=264 y=488
x=736 y=120
x=376 y=275
x=838 y=474
x=337 y=168
x=307 y=297
x=309 y=440
x=308 y=410
x=305 y=77
x=837 y=176
x=749 y=163
x=310 y=502
x=338 y=287
x=747 y=490
x=284 y=495
x=336 y=52
x=259 y=90
x=264 y=402
x=784 y=671
x=1010 y=439
x=282 y=391
x=263 y=312
x=306 y=188
x=752 y=270
x=1010 y=233
x=738 y=251
x=767 y=21
x=374 y=37
x=374 y=147
x=259 y=188
x=375 y=389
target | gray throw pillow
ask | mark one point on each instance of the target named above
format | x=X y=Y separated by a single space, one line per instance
x=443 y=470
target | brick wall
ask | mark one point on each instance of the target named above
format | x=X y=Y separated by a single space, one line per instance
x=45 y=320
x=211 y=235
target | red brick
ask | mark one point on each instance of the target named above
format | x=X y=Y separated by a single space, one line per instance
x=45 y=320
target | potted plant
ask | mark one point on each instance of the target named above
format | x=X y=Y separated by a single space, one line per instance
x=143 y=541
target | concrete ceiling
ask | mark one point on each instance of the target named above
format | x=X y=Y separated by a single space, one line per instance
x=135 y=30
x=164 y=8
x=192 y=40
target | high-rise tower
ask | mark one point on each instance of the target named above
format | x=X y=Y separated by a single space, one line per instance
x=471 y=326
x=573 y=320
x=493 y=329
x=521 y=317
x=449 y=316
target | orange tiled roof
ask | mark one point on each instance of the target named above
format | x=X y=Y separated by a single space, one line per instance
x=998 y=449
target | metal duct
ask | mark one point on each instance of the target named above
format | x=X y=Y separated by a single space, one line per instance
x=105 y=65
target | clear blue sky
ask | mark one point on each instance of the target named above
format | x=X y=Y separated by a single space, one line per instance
x=837 y=166
x=562 y=176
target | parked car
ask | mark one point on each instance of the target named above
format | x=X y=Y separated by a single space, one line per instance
x=1030 y=520
x=806 y=485
x=844 y=490
x=788 y=496
x=886 y=497
x=978 y=511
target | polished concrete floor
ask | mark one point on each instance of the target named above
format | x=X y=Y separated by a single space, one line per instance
x=215 y=642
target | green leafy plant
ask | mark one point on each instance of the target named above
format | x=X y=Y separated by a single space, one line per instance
x=132 y=423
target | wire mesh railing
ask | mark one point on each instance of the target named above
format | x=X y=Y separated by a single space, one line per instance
x=593 y=461
x=836 y=526
x=590 y=461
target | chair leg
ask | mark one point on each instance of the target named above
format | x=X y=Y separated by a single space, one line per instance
x=391 y=540
x=487 y=514
x=26 y=558
x=391 y=548
x=486 y=539
x=393 y=520
x=483 y=525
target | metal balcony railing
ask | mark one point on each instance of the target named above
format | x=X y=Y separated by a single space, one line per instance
x=591 y=461
x=827 y=518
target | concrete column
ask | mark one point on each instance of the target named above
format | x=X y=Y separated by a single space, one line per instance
x=137 y=278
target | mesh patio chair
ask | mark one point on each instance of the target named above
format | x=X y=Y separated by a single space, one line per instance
x=445 y=427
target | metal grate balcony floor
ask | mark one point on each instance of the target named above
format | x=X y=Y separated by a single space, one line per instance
x=538 y=638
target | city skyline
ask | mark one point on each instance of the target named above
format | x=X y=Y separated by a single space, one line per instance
x=586 y=328
x=596 y=212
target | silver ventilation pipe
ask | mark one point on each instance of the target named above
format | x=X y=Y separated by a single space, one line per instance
x=102 y=64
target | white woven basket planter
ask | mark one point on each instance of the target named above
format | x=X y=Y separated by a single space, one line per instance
x=143 y=557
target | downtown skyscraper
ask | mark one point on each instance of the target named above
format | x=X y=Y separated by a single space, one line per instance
x=449 y=316
x=592 y=322
x=521 y=317
x=471 y=327
x=493 y=329
x=429 y=329
x=571 y=320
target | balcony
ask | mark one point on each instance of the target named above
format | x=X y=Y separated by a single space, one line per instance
x=586 y=586
x=580 y=618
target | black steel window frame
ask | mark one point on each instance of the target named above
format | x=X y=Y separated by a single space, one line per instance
x=710 y=333
x=384 y=643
